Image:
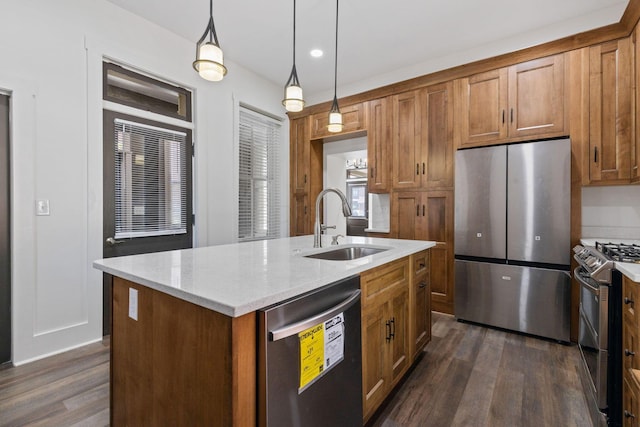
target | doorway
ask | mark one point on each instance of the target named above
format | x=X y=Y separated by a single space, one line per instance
x=147 y=191
x=345 y=168
x=5 y=236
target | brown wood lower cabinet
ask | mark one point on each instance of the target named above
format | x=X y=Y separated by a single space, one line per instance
x=182 y=364
x=396 y=324
x=630 y=354
x=428 y=215
x=157 y=372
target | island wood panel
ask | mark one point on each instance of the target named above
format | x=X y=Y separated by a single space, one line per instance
x=179 y=363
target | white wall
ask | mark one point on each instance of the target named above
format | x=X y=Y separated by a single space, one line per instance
x=611 y=212
x=50 y=62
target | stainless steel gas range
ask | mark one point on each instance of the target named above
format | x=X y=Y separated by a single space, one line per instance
x=600 y=327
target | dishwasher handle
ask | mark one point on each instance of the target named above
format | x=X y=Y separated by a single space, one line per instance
x=294 y=328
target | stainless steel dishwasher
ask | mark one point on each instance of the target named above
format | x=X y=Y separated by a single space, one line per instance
x=310 y=359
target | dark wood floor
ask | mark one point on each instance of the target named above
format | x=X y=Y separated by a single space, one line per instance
x=476 y=376
x=469 y=376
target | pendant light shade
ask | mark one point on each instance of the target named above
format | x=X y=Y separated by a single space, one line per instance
x=209 y=61
x=293 y=100
x=335 y=117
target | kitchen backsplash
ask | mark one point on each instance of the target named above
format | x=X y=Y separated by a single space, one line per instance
x=611 y=212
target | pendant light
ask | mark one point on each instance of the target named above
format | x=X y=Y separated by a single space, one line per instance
x=293 y=100
x=209 y=61
x=335 y=117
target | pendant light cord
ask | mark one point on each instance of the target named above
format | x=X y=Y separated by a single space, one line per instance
x=335 y=69
x=294 y=33
x=211 y=19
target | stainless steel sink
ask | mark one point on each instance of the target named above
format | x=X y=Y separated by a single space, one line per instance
x=346 y=253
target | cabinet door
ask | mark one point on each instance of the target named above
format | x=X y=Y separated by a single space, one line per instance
x=406 y=140
x=629 y=300
x=630 y=412
x=353 y=119
x=630 y=347
x=375 y=376
x=439 y=228
x=408 y=213
x=437 y=136
x=299 y=142
x=481 y=108
x=378 y=145
x=422 y=307
x=299 y=215
x=610 y=105
x=536 y=97
x=399 y=324
x=635 y=152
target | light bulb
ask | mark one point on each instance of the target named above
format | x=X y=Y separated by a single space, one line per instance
x=293 y=100
x=335 y=122
x=210 y=63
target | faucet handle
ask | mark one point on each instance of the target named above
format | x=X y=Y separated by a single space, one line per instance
x=324 y=227
x=334 y=239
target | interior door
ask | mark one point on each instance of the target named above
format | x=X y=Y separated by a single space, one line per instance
x=147 y=193
x=5 y=241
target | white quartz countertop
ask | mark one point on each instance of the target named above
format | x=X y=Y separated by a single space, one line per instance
x=237 y=279
x=631 y=270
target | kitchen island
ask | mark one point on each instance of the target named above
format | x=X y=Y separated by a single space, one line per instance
x=183 y=344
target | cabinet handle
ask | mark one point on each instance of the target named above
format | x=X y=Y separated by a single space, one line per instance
x=628 y=300
x=502 y=116
x=417 y=168
x=393 y=327
x=512 y=115
x=388 y=325
x=422 y=210
x=305 y=178
x=628 y=414
x=628 y=352
x=372 y=173
x=417 y=210
x=595 y=154
x=422 y=285
x=422 y=265
x=423 y=169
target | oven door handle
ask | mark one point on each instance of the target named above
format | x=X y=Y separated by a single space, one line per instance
x=593 y=289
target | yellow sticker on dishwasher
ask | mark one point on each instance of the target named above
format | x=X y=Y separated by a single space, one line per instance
x=311 y=353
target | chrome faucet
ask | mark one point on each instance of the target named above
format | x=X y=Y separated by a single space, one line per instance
x=317 y=229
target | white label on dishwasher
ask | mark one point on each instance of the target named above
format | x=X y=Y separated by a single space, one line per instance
x=333 y=341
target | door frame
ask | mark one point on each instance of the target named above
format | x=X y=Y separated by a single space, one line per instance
x=5 y=230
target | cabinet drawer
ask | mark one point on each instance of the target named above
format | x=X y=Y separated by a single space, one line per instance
x=630 y=348
x=376 y=282
x=420 y=262
x=630 y=403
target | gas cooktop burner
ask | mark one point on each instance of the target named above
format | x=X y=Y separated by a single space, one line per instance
x=620 y=252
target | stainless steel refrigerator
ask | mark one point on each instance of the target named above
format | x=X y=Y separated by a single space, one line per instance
x=512 y=237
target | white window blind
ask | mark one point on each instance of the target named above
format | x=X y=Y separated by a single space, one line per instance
x=150 y=180
x=259 y=176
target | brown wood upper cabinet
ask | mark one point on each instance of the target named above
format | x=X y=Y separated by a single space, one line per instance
x=423 y=138
x=300 y=179
x=635 y=152
x=379 y=145
x=610 y=119
x=354 y=118
x=523 y=101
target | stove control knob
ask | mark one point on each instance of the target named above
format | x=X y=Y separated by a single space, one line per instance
x=593 y=262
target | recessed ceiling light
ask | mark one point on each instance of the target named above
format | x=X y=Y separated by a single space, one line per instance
x=316 y=53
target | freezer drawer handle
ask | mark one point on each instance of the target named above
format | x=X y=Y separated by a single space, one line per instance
x=294 y=328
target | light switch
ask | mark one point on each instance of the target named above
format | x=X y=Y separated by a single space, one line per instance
x=133 y=303
x=42 y=207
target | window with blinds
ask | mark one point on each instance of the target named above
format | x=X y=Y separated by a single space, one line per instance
x=150 y=180
x=259 y=176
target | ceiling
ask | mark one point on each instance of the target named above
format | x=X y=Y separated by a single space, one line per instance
x=379 y=42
